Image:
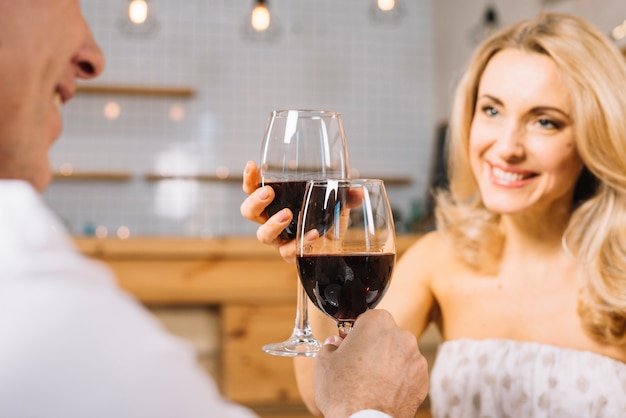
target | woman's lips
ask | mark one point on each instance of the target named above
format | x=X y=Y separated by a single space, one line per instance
x=510 y=177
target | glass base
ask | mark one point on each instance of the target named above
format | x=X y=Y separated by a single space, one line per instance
x=296 y=346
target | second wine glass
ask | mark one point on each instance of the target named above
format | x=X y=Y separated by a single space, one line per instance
x=298 y=146
x=345 y=247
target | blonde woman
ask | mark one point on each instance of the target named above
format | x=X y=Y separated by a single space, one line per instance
x=525 y=276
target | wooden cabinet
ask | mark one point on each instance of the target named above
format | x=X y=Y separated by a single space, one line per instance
x=252 y=287
x=250 y=375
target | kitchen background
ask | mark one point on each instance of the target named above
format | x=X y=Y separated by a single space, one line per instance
x=157 y=144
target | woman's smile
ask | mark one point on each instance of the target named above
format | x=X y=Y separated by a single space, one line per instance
x=510 y=177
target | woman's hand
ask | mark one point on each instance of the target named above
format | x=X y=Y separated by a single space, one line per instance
x=253 y=209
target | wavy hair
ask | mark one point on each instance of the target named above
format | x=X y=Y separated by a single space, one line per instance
x=595 y=72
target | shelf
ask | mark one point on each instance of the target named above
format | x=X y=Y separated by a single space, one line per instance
x=123 y=176
x=117 y=176
x=196 y=177
x=136 y=90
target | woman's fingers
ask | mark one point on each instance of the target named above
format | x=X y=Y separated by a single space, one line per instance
x=251 y=177
x=253 y=207
x=270 y=230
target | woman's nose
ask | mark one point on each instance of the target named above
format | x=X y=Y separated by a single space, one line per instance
x=89 y=60
x=509 y=144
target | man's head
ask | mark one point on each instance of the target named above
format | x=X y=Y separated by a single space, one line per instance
x=44 y=47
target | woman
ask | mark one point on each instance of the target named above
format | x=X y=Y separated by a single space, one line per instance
x=525 y=276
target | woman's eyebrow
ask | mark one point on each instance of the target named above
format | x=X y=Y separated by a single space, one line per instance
x=540 y=109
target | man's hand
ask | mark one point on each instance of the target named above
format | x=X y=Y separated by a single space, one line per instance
x=377 y=366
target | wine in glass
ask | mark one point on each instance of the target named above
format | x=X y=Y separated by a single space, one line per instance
x=345 y=247
x=298 y=146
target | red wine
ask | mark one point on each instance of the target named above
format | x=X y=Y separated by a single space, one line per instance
x=324 y=206
x=345 y=286
x=287 y=194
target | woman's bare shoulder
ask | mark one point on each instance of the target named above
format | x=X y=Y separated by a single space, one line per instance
x=423 y=260
x=429 y=247
x=431 y=258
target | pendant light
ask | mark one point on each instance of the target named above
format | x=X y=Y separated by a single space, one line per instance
x=138 y=11
x=138 y=18
x=619 y=31
x=260 y=17
x=386 y=5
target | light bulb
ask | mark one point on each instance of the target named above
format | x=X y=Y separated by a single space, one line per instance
x=66 y=169
x=138 y=11
x=176 y=113
x=112 y=110
x=386 y=5
x=123 y=232
x=619 y=31
x=260 y=17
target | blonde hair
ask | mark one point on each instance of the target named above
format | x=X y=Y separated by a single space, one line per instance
x=595 y=72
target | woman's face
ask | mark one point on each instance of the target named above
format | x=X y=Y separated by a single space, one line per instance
x=522 y=148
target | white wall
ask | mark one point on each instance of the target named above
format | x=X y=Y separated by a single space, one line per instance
x=327 y=54
x=392 y=82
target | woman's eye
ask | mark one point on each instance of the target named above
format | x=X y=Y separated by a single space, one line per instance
x=490 y=111
x=548 y=123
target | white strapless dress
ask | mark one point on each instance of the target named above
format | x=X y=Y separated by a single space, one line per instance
x=497 y=378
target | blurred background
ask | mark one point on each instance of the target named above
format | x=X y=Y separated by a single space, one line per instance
x=156 y=146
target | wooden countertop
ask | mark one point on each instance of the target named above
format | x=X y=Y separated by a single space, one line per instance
x=200 y=271
x=174 y=248
x=189 y=248
x=252 y=287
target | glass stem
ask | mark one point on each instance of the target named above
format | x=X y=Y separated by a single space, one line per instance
x=301 y=326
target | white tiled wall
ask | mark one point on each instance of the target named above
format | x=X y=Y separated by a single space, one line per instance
x=330 y=54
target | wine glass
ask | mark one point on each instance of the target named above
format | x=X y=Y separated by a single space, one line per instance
x=298 y=146
x=345 y=247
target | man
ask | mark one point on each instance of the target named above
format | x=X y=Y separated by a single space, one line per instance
x=72 y=344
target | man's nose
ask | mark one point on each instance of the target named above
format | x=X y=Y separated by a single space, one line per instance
x=89 y=60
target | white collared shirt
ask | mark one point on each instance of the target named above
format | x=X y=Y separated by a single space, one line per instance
x=72 y=343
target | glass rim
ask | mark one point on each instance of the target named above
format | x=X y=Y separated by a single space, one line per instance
x=307 y=112
x=355 y=181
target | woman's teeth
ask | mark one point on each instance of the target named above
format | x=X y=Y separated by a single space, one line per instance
x=506 y=175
